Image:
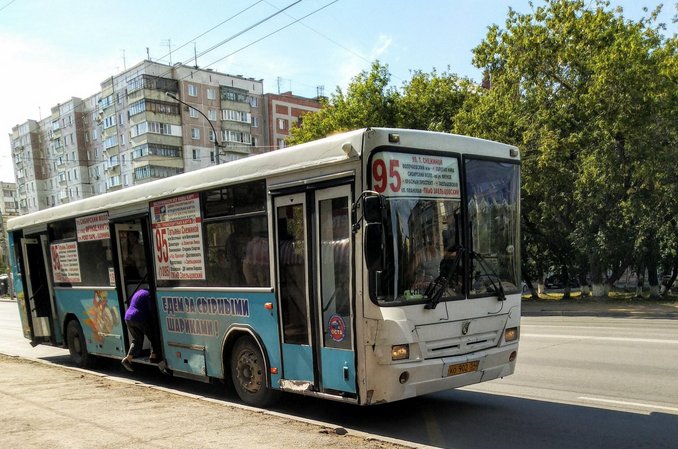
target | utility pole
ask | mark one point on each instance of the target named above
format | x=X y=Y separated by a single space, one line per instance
x=217 y=146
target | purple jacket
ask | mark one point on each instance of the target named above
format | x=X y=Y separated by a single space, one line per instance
x=139 y=309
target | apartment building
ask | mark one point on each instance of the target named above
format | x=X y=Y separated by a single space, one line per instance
x=281 y=111
x=148 y=122
x=9 y=207
x=29 y=170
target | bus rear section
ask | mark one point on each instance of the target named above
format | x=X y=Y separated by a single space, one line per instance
x=441 y=240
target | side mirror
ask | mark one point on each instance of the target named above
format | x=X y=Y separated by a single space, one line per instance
x=373 y=246
x=373 y=209
x=373 y=233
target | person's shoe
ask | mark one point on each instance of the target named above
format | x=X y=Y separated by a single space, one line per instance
x=154 y=358
x=127 y=365
x=162 y=366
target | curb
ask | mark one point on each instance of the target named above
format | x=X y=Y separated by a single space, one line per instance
x=603 y=314
x=323 y=426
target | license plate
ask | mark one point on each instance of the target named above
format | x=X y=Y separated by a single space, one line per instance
x=461 y=368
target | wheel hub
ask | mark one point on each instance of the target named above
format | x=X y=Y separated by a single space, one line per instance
x=248 y=372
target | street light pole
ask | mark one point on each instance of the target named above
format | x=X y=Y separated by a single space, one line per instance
x=217 y=146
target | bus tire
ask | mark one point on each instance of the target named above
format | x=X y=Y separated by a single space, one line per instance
x=248 y=373
x=77 y=347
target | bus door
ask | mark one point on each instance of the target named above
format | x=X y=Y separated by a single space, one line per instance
x=38 y=302
x=314 y=281
x=134 y=268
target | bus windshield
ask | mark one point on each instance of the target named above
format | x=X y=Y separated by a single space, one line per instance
x=426 y=250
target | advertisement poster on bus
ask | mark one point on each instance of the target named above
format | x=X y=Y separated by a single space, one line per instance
x=422 y=176
x=65 y=262
x=93 y=227
x=177 y=238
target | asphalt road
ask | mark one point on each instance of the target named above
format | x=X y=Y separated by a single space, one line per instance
x=581 y=382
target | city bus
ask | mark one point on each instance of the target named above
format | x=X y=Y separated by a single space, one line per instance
x=366 y=267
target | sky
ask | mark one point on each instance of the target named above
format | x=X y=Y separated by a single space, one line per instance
x=55 y=49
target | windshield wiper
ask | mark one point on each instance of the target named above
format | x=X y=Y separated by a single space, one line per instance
x=501 y=295
x=437 y=287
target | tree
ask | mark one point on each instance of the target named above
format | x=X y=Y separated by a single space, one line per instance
x=368 y=101
x=586 y=95
x=427 y=101
x=430 y=101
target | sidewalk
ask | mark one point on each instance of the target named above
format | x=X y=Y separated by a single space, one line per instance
x=603 y=307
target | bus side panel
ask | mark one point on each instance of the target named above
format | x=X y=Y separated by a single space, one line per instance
x=193 y=322
x=98 y=312
x=18 y=285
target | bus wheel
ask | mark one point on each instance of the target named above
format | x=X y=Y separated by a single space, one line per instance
x=248 y=372
x=75 y=339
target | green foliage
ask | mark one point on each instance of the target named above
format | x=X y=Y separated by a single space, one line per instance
x=590 y=98
x=428 y=101
x=368 y=101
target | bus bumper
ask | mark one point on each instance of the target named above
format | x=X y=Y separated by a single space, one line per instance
x=405 y=380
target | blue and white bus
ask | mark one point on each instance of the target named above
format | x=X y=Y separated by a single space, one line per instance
x=366 y=267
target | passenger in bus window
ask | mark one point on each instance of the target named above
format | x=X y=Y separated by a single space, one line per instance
x=140 y=323
x=235 y=248
x=255 y=265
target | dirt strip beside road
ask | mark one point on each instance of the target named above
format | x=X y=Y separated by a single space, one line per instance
x=47 y=406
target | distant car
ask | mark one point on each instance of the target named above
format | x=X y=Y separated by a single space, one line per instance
x=554 y=283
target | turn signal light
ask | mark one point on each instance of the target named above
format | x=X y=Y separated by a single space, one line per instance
x=511 y=334
x=400 y=352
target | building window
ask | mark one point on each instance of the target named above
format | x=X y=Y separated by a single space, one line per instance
x=253 y=102
x=195 y=133
x=211 y=94
x=192 y=112
x=282 y=124
x=281 y=144
x=109 y=121
x=192 y=90
x=255 y=122
x=196 y=154
x=212 y=114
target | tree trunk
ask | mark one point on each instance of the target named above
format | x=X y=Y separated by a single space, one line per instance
x=652 y=278
x=640 y=282
x=600 y=290
x=565 y=279
x=598 y=287
x=672 y=279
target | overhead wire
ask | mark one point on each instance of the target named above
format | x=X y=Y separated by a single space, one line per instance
x=98 y=107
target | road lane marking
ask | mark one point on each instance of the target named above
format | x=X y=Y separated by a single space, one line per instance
x=587 y=337
x=629 y=404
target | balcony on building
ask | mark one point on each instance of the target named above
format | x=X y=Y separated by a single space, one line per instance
x=151 y=172
x=148 y=86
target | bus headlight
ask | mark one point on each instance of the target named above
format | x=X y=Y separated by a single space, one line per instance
x=400 y=352
x=511 y=334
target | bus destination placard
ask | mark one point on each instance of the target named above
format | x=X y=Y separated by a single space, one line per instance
x=65 y=262
x=415 y=175
x=177 y=238
x=93 y=227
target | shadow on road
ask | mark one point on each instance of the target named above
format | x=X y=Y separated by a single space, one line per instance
x=454 y=419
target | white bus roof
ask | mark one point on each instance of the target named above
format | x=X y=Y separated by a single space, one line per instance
x=311 y=154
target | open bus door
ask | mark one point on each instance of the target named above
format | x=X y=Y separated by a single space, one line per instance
x=314 y=280
x=39 y=309
x=135 y=269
